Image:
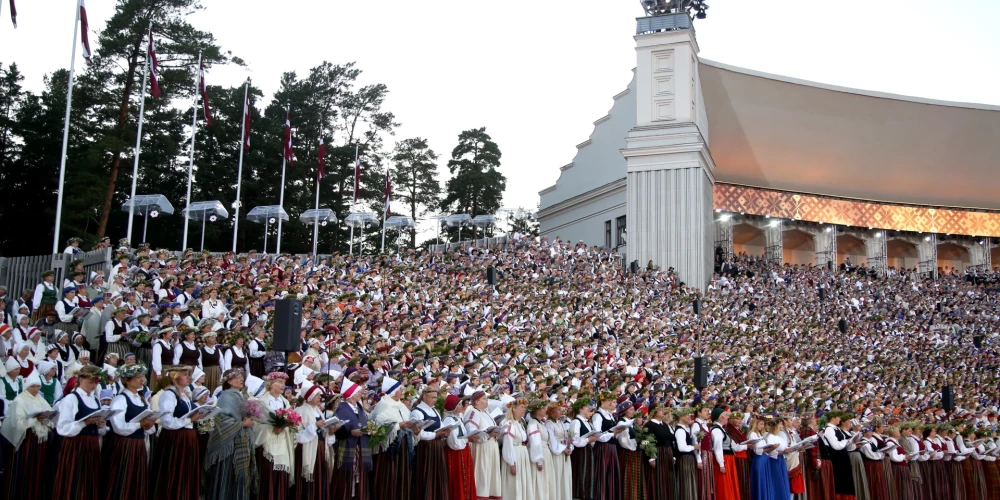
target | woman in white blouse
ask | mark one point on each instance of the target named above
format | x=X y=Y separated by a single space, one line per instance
x=485 y=450
x=517 y=464
x=79 y=467
x=538 y=448
x=128 y=458
x=311 y=469
x=275 y=447
x=560 y=449
x=461 y=472
x=175 y=469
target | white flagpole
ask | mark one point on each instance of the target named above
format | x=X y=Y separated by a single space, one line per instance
x=194 y=132
x=384 y=207
x=138 y=141
x=65 y=142
x=281 y=197
x=356 y=182
x=239 y=170
x=316 y=220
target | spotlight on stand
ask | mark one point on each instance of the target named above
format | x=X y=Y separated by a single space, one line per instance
x=272 y=220
x=323 y=223
x=213 y=218
x=154 y=214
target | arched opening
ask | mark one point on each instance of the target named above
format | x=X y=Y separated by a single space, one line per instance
x=851 y=248
x=748 y=239
x=995 y=256
x=952 y=257
x=902 y=255
x=799 y=248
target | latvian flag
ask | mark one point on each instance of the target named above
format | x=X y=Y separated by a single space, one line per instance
x=154 y=67
x=288 y=137
x=13 y=13
x=246 y=119
x=84 y=28
x=322 y=160
x=388 y=191
x=204 y=93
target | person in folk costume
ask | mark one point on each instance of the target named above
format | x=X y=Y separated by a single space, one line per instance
x=990 y=465
x=775 y=458
x=354 y=456
x=878 y=487
x=811 y=461
x=760 y=474
x=24 y=357
x=633 y=460
x=257 y=352
x=914 y=454
x=229 y=457
x=582 y=458
x=163 y=355
x=211 y=360
x=902 y=484
x=706 y=475
x=49 y=378
x=975 y=483
x=79 y=468
x=734 y=428
x=851 y=428
x=793 y=459
x=186 y=352
x=838 y=444
x=127 y=456
x=73 y=247
x=607 y=472
x=68 y=310
x=27 y=452
x=235 y=356
x=952 y=463
x=141 y=338
x=311 y=468
x=45 y=297
x=461 y=471
x=12 y=383
x=114 y=339
x=517 y=479
x=727 y=486
x=275 y=451
x=560 y=450
x=687 y=456
x=176 y=464
x=393 y=473
x=431 y=480
x=660 y=476
x=485 y=449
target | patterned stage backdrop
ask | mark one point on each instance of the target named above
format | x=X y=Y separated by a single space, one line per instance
x=814 y=208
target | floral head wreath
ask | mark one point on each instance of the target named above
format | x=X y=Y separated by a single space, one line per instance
x=683 y=412
x=606 y=396
x=537 y=405
x=277 y=376
x=130 y=371
x=517 y=402
x=232 y=373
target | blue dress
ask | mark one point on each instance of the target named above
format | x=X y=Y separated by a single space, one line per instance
x=779 y=478
x=760 y=478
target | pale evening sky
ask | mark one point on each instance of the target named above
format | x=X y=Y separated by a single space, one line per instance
x=537 y=73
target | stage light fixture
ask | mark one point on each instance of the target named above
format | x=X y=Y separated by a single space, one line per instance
x=323 y=223
x=154 y=214
x=272 y=220
x=878 y=235
x=213 y=218
x=927 y=238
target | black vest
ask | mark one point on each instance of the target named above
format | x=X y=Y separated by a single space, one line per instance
x=606 y=425
x=727 y=443
x=432 y=417
x=132 y=411
x=82 y=411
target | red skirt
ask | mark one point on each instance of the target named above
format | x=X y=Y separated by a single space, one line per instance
x=461 y=474
x=607 y=473
x=956 y=480
x=659 y=478
x=878 y=488
x=796 y=483
x=827 y=490
x=127 y=468
x=175 y=470
x=79 y=468
x=24 y=469
x=273 y=483
x=632 y=468
x=992 y=480
x=319 y=487
x=582 y=465
x=902 y=481
x=727 y=486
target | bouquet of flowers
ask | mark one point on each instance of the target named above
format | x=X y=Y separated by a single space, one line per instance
x=377 y=434
x=253 y=409
x=284 y=418
x=646 y=442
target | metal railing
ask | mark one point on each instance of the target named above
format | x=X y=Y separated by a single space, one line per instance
x=20 y=273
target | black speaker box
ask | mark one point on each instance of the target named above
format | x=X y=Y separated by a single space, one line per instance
x=700 y=372
x=977 y=340
x=822 y=293
x=697 y=306
x=491 y=275
x=842 y=325
x=287 y=325
x=947 y=399
x=829 y=265
x=635 y=267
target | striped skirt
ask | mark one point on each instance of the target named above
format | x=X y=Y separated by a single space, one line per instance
x=607 y=472
x=660 y=478
x=992 y=480
x=121 y=348
x=582 y=463
x=827 y=488
x=213 y=374
x=938 y=486
x=979 y=480
x=319 y=487
x=861 y=491
x=79 y=469
x=687 y=484
x=878 y=488
x=25 y=469
x=632 y=464
x=175 y=469
x=956 y=480
x=431 y=481
x=127 y=461
x=273 y=483
x=890 y=482
x=902 y=481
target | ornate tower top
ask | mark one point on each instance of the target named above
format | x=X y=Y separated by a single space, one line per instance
x=669 y=15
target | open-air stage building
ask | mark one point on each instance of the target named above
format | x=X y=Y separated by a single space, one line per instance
x=696 y=155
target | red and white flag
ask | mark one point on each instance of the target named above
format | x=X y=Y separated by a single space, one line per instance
x=357 y=174
x=84 y=28
x=246 y=119
x=13 y=13
x=322 y=160
x=388 y=191
x=204 y=93
x=154 y=67
x=288 y=137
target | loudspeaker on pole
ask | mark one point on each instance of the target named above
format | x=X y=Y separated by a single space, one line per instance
x=947 y=399
x=635 y=267
x=491 y=275
x=287 y=325
x=700 y=372
x=842 y=325
x=822 y=293
x=697 y=306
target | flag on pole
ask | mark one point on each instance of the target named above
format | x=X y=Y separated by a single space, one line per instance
x=388 y=191
x=84 y=28
x=246 y=121
x=357 y=174
x=154 y=67
x=322 y=160
x=204 y=93
x=13 y=13
x=288 y=137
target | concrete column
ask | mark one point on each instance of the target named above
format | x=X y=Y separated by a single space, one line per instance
x=877 y=251
x=927 y=255
x=669 y=169
x=979 y=254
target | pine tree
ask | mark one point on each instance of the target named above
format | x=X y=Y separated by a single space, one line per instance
x=476 y=186
x=414 y=182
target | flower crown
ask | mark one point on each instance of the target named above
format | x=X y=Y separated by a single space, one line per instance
x=129 y=371
x=606 y=396
x=277 y=376
x=517 y=402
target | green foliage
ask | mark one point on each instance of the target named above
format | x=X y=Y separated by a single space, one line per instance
x=415 y=185
x=476 y=186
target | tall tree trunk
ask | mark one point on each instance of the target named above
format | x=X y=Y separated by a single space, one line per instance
x=116 y=153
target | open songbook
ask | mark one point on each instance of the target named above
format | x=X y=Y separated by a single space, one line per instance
x=750 y=442
x=42 y=416
x=886 y=448
x=420 y=424
x=623 y=425
x=591 y=433
x=205 y=412
x=331 y=422
x=101 y=414
x=148 y=415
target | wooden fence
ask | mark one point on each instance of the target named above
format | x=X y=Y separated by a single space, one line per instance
x=20 y=273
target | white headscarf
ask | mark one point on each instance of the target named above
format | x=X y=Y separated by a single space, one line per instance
x=390 y=411
x=15 y=426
